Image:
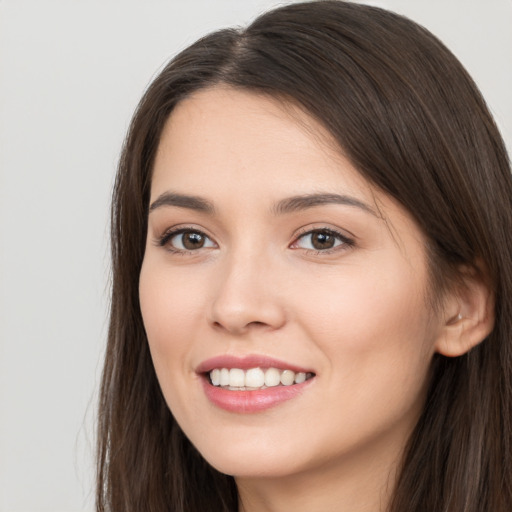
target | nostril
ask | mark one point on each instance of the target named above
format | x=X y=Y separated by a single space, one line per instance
x=255 y=324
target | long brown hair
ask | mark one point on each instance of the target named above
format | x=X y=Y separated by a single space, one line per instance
x=411 y=120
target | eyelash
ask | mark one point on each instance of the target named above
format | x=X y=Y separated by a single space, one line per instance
x=167 y=236
x=346 y=243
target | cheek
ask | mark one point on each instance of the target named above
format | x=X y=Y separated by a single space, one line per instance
x=170 y=311
x=374 y=329
x=376 y=339
x=360 y=299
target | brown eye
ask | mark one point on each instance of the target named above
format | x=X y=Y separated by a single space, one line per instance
x=321 y=240
x=192 y=240
x=187 y=240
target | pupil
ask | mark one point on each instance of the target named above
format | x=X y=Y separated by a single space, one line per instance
x=193 y=240
x=322 y=241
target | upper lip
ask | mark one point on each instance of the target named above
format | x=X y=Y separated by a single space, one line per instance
x=246 y=362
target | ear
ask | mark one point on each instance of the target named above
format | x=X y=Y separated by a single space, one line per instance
x=468 y=314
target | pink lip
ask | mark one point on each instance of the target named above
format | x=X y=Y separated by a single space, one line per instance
x=244 y=402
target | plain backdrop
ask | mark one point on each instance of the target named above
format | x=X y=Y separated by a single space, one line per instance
x=71 y=73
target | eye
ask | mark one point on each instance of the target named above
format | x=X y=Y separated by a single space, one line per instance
x=321 y=240
x=186 y=240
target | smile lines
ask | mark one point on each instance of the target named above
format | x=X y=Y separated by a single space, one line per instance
x=236 y=379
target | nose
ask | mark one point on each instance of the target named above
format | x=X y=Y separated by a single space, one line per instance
x=247 y=295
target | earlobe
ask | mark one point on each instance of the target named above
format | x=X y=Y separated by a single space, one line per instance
x=469 y=315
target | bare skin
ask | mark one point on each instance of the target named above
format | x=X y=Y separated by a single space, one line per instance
x=263 y=240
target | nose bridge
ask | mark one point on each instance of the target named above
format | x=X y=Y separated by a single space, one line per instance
x=246 y=292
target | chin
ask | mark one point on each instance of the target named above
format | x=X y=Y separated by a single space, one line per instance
x=251 y=461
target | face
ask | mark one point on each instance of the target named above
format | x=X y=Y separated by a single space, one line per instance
x=273 y=269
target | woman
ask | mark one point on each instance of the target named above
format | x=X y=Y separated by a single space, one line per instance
x=312 y=278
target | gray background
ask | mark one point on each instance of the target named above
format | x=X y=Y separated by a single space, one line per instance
x=71 y=73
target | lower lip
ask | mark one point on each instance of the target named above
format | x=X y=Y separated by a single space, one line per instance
x=246 y=402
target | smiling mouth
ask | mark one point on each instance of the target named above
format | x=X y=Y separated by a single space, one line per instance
x=237 y=379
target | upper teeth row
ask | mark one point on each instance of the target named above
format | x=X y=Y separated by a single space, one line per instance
x=255 y=377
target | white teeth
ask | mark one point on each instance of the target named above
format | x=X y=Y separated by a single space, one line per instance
x=300 y=377
x=236 y=378
x=287 y=377
x=272 y=377
x=215 y=376
x=224 y=377
x=255 y=378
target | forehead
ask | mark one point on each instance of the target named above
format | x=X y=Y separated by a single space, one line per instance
x=247 y=139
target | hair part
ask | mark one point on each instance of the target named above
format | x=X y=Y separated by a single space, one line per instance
x=410 y=119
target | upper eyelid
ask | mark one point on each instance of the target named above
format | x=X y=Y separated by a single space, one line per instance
x=177 y=229
x=180 y=228
x=163 y=237
x=329 y=231
x=347 y=241
x=324 y=227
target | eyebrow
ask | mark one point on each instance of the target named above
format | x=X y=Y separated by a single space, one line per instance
x=297 y=203
x=182 y=201
x=288 y=205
